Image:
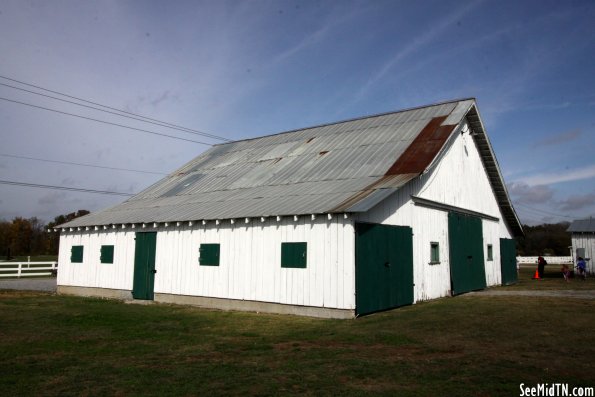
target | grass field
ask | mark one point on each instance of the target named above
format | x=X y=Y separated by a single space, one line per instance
x=552 y=280
x=463 y=346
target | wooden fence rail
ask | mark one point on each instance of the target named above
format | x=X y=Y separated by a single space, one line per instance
x=554 y=260
x=28 y=269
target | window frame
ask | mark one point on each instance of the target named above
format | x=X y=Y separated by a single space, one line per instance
x=434 y=252
x=490 y=253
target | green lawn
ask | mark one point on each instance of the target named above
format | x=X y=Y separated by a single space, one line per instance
x=552 y=280
x=463 y=346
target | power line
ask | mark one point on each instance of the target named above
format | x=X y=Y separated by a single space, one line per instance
x=543 y=212
x=161 y=124
x=74 y=189
x=164 y=123
x=105 y=122
x=80 y=164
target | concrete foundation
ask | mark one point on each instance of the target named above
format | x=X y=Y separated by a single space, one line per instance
x=253 y=306
x=212 y=303
x=95 y=292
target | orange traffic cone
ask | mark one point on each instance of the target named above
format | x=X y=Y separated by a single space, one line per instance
x=536 y=275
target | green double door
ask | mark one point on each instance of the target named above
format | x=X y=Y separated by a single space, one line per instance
x=467 y=265
x=508 y=261
x=383 y=267
x=144 y=266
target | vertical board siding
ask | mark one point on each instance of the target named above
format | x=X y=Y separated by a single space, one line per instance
x=457 y=178
x=93 y=273
x=249 y=264
x=586 y=241
x=493 y=268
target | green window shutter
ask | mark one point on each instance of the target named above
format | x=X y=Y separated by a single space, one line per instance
x=76 y=254
x=294 y=255
x=208 y=254
x=107 y=254
x=434 y=252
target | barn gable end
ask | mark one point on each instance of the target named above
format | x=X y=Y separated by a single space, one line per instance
x=457 y=181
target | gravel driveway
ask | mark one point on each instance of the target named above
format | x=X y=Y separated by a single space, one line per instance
x=31 y=284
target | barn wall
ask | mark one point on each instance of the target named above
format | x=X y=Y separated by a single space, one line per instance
x=249 y=267
x=92 y=273
x=457 y=178
x=586 y=241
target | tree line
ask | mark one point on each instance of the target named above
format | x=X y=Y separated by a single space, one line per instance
x=23 y=236
x=546 y=239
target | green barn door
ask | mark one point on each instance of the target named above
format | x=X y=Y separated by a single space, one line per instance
x=508 y=261
x=144 y=266
x=383 y=267
x=467 y=266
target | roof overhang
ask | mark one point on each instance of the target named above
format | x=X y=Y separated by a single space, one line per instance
x=492 y=168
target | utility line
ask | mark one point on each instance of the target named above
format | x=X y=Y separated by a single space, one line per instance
x=543 y=212
x=161 y=124
x=74 y=189
x=80 y=164
x=118 y=110
x=106 y=122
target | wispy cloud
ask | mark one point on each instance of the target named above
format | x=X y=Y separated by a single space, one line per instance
x=577 y=202
x=570 y=175
x=563 y=137
x=306 y=42
x=415 y=45
x=334 y=21
x=522 y=192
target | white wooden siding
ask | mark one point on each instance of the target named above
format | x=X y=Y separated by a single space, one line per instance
x=586 y=241
x=92 y=273
x=250 y=261
x=491 y=235
x=457 y=178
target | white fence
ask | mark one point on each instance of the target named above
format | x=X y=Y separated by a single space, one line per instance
x=554 y=260
x=28 y=269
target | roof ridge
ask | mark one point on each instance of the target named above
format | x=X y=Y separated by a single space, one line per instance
x=349 y=120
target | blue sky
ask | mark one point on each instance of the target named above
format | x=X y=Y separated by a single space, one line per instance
x=244 y=69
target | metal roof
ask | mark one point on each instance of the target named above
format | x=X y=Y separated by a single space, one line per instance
x=347 y=166
x=582 y=226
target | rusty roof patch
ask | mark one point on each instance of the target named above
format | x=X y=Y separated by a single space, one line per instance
x=423 y=149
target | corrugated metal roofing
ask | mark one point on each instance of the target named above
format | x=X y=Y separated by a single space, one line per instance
x=582 y=226
x=336 y=167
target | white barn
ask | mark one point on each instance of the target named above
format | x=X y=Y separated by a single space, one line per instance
x=337 y=220
x=583 y=241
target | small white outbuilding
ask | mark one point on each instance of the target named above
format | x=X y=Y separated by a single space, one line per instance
x=583 y=241
x=337 y=220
